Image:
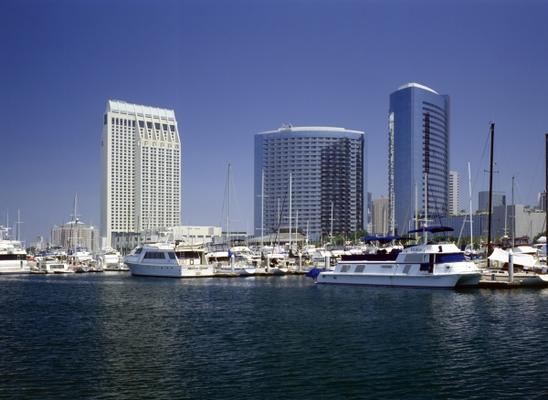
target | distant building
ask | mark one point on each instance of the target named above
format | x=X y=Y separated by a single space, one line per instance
x=141 y=170
x=418 y=125
x=528 y=222
x=542 y=201
x=499 y=199
x=454 y=193
x=75 y=234
x=380 y=216
x=369 y=225
x=326 y=165
x=183 y=233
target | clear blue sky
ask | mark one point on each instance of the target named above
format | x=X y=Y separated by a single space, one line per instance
x=234 y=68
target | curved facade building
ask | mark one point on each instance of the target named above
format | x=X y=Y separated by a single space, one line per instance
x=326 y=165
x=418 y=144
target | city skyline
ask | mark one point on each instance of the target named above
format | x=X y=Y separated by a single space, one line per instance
x=232 y=70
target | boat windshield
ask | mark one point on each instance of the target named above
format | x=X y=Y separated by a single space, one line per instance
x=450 y=258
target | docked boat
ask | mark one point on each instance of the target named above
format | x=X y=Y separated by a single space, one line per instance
x=226 y=262
x=50 y=265
x=13 y=258
x=110 y=260
x=436 y=265
x=162 y=260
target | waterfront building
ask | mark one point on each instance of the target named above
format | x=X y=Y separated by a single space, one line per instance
x=499 y=199
x=418 y=123
x=141 y=171
x=75 y=234
x=327 y=170
x=380 y=216
x=454 y=193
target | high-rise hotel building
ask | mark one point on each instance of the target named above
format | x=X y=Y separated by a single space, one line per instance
x=327 y=171
x=418 y=125
x=141 y=170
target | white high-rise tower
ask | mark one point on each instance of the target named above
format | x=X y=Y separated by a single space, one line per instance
x=141 y=170
x=454 y=193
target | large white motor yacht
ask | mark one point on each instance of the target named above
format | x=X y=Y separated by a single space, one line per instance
x=425 y=265
x=163 y=260
x=13 y=258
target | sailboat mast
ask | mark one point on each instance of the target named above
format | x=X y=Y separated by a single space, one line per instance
x=18 y=233
x=290 y=204
x=262 y=209
x=490 y=192
x=297 y=228
x=307 y=233
x=546 y=187
x=513 y=216
x=470 y=201
x=228 y=205
x=425 y=208
x=416 y=210
x=331 y=229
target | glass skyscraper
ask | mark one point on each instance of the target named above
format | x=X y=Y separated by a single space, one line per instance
x=327 y=173
x=418 y=122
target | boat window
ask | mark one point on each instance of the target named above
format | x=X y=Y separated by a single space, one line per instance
x=172 y=255
x=359 y=268
x=154 y=254
x=450 y=258
x=345 y=268
x=138 y=250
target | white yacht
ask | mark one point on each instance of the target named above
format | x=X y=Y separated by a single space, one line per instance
x=13 y=258
x=162 y=260
x=425 y=265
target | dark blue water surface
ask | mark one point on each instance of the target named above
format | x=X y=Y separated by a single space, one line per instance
x=121 y=337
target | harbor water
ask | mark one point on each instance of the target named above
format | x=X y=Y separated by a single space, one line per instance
x=113 y=336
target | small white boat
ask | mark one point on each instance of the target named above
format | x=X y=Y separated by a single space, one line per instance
x=162 y=260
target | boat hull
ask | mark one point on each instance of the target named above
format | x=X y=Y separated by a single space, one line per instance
x=171 y=271
x=433 y=281
x=14 y=267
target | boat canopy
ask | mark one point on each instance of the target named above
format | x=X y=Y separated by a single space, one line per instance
x=432 y=229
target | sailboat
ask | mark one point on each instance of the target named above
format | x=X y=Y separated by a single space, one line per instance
x=231 y=261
